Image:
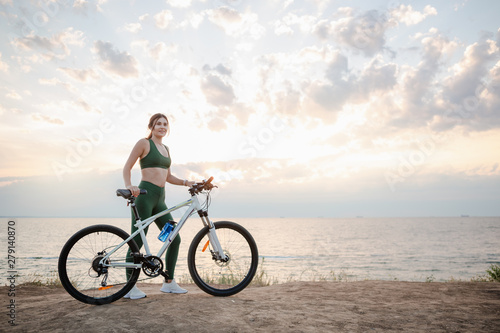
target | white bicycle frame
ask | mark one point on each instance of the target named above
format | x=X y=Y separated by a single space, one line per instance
x=194 y=206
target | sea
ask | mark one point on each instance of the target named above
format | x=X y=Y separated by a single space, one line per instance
x=294 y=249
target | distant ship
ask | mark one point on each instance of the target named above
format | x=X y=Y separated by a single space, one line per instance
x=464 y=215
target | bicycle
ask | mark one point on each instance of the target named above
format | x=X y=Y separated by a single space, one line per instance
x=94 y=261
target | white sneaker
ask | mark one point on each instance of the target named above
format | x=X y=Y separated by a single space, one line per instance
x=172 y=288
x=135 y=293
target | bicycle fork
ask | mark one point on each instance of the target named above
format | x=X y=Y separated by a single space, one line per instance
x=218 y=251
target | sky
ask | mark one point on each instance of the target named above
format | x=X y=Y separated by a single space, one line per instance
x=297 y=108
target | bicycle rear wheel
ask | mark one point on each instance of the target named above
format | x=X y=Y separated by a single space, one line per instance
x=223 y=278
x=83 y=276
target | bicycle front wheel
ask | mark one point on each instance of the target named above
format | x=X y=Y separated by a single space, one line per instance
x=82 y=272
x=226 y=278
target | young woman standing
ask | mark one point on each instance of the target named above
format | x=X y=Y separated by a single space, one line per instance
x=154 y=159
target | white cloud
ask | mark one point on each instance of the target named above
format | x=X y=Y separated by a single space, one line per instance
x=347 y=104
x=164 y=19
x=82 y=104
x=281 y=28
x=133 y=27
x=54 y=82
x=82 y=75
x=194 y=20
x=160 y=50
x=85 y=7
x=114 y=61
x=179 y=3
x=363 y=32
x=217 y=91
x=236 y=24
x=47 y=119
x=306 y=24
x=4 y=67
x=408 y=16
x=54 y=47
x=377 y=77
x=471 y=70
x=12 y=94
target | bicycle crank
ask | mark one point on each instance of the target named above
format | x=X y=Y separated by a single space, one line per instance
x=152 y=266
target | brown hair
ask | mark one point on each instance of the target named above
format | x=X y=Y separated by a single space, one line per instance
x=152 y=122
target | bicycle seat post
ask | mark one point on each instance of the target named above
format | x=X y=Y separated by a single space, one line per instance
x=131 y=202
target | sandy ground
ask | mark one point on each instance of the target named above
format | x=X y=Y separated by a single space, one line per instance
x=364 y=306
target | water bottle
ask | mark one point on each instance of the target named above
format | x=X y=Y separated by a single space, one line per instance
x=167 y=228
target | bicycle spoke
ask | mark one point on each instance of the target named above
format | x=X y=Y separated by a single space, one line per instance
x=219 y=277
x=84 y=273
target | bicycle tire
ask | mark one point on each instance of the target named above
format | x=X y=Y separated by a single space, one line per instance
x=78 y=265
x=223 y=279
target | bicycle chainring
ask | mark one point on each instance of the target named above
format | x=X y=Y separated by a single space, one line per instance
x=152 y=266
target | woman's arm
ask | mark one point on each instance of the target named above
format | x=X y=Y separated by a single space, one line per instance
x=177 y=181
x=135 y=154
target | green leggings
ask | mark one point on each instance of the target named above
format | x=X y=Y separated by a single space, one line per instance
x=147 y=206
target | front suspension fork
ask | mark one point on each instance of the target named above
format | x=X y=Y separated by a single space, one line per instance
x=218 y=251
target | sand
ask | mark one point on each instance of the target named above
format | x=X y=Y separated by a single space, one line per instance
x=364 y=306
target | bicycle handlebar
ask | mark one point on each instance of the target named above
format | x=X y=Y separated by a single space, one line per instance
x=195 y=189
x=203 y=185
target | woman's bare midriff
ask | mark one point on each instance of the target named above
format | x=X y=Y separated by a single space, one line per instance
x=157 y=176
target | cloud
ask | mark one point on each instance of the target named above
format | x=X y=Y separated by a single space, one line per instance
x=55 y=81
x=287 y=101
x=179 y=3
x=84 y=7
x=408 y=16
x=324 y=93
x=114 y=61
x=80 y=103
x=160 y=49
x=419 y=87
x=283 y=26
x=133 y=27
x=236 y=24
x=47 y=119
x=363 y=32
x=471 y=69
x=163 y=19
x=217 y=91
x=470 y=95
x=4 y=67
x=54 y=47
x=12 y=94
x=220 y=68
x=82 y=75
x=376 y=77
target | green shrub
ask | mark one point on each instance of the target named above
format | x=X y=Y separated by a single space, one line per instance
x=494 y=272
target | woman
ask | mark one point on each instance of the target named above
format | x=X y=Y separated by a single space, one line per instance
x=155 y=169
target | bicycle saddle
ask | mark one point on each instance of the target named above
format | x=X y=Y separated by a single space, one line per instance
x=125 y=193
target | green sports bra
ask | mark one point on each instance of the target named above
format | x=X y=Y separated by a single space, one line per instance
x=154 y=159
